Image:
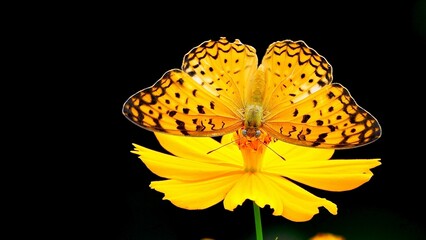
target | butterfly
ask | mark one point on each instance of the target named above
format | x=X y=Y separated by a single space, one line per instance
x=222 y=89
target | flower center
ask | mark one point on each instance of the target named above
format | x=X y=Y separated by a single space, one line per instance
x=252 y=149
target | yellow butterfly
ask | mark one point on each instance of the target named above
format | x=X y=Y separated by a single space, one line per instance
x=222 y=89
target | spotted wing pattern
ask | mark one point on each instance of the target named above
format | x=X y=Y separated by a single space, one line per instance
x=220 y=81
x=303 y=106
x=204 y=98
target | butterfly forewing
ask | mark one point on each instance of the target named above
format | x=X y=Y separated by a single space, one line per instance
x=223 y=68
x=292 y=72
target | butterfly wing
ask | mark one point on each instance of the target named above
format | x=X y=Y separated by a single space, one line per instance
x=303 y=106
x=203 y=98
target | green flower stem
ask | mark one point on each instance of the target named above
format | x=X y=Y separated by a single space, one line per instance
x=257 y=222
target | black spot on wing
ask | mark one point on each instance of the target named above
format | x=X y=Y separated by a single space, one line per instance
x=322 y=83
x=321 y=137
x=292 y=131
x=306 y=118
x=211 y=124
x=301 y=136
x=200 y=109
x=172 y=113
x=180 y=81
x=200 y=128
x=181 y=127
x=296 y=112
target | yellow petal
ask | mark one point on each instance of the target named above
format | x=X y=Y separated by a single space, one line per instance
x=168 y=166
x=249 y=186
x=331 y=175
x=195 y=195
x=286 y=198
x=196 y=148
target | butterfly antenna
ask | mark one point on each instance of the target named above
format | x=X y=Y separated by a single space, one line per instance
x=266 y=145
x=274 y=151
x=226 y=144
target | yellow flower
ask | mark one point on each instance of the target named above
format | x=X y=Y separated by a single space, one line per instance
x=251 y=169
x=327 y=236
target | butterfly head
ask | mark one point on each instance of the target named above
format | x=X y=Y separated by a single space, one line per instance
x=253 y=139
x=251 y=132
x=252 y=121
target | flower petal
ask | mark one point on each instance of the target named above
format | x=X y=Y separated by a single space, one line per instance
x=198 y=148
x=331 y=175
x=286 y=198
x=250 y=186
x=195 y=195
x=177 y=168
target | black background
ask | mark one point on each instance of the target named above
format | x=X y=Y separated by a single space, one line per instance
x=377 y=52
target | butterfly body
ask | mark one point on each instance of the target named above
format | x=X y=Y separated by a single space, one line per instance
x=221 y=89
x=254 y=112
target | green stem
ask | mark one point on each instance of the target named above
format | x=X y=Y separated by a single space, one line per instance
x=257 y=222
